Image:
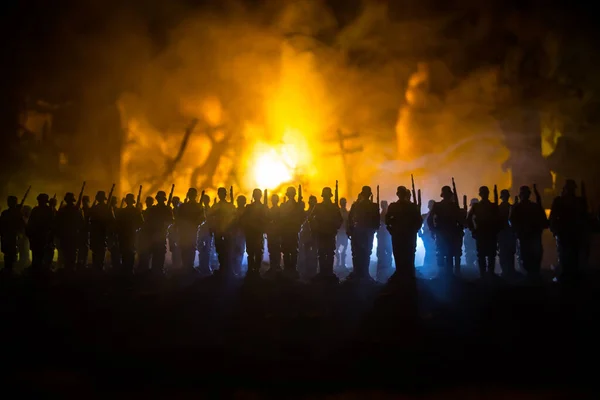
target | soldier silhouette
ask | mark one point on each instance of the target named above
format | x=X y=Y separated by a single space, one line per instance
x=204 y=241
x=470 y=244
x=325 y=221
x=83 y=242
x=188 y=219
x=69 y=221
x=446 y=222
x=308 y=260
x=157 y=219
x=145 y=239
x=12 y=225
x=384 y=247
x=129 y=220
x=239 y=241
x=342 y=238
x=484 y=223
x=254 y=223
x=113 y=239
x=39 y=231
x=363 y=222
x=23 y=241
x=529 y=221
x=101 y=221
x=172 y=236
x=507 y=240
x=50 y=249
x=569 y=223
x=426 y=236
x=221 y=218
x=292 y=218
x=274 y=235
x=403 y=221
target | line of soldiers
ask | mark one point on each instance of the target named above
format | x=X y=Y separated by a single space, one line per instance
x=311 y=237
x=505 y=230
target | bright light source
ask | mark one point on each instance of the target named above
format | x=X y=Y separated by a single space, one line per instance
x=271 y=170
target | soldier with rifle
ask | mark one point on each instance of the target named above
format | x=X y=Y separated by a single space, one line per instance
x=325 y=221
x=129 y=220
x=446 y=222
x=102 y=221
x=254 y=224
x=292 y=218
x=507 y=240
x=157 y=219
x=239 y=241
x=363 y=222
x=204 y=241
x=40 y=232
x=53 y=240
x=274 y=235
x=484 y=223
x=83 y=242
x=69 y=221
x=569 y=223
x=188 y=218
x=11 y=225
x=403 y=221
x=220 y=220
x=144 y=235
x=529 y=221
x=173 y=236
x=308 y=260
x=470 y=243
x=342 y=238
x=112 y=238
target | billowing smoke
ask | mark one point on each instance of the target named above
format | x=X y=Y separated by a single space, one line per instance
x=284 y=78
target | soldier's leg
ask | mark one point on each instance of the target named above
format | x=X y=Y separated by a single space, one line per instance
x=98 y=256
x=69 y=256
x=82 y=254
x=188 y=255
x=159 y=251
x=9 y=260
x=481 y=256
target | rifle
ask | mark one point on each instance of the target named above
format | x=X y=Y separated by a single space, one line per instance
x=377 y=197
x=538 y=198
x=414 y=192
x=62 y=203
x=80 y=198
x=266 y=198
x=455 y=193
x=465 y=202
x=419 y=198
x=336 y=196
x=112 y=189
x=138 y=203
x=122 y=202
x=300 y=198
x=170 y=200
x=231 y=193
x=25 y=196
x=496 y=194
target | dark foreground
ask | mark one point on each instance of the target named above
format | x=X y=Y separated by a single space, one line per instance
x=97 y=334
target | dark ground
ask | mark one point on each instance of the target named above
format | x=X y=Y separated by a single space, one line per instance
x=101 y=335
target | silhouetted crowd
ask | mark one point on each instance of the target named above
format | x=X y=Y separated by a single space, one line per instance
x=303 y=242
